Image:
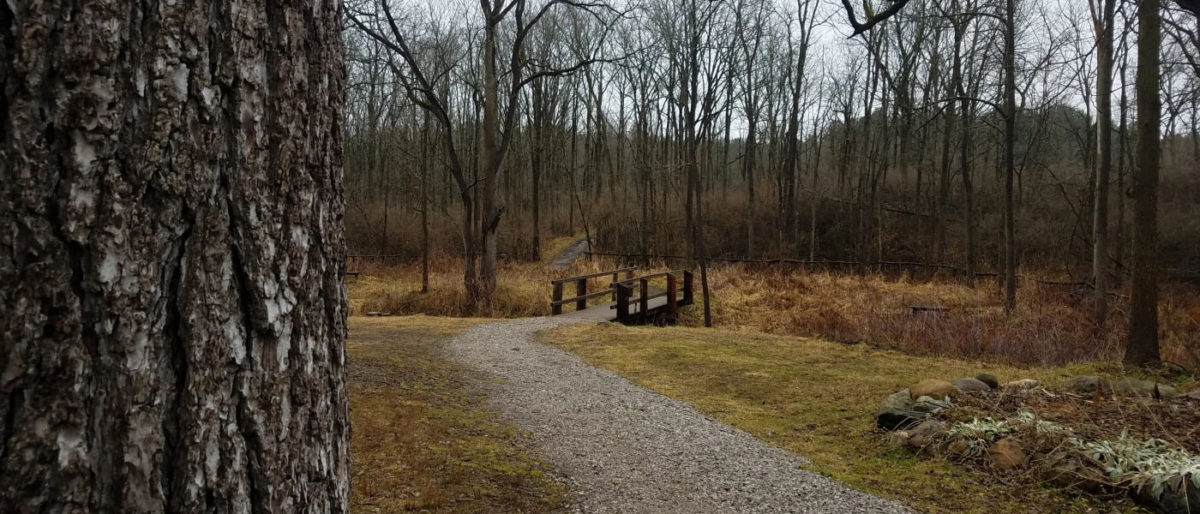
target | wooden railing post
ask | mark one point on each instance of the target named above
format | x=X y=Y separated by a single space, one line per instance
x=580 y=290
x=644 y=299
x=672 y=306
x=615 y=274
x=623 y=293
x=687 y=287
x=555 y=300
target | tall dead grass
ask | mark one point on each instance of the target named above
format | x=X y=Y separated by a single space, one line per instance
x=1051 y=326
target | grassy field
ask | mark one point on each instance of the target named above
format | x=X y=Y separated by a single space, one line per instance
x=817 y=399
x=421 y=441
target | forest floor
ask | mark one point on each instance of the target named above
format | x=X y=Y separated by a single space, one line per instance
x=421 y=440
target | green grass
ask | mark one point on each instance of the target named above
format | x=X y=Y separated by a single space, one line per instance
x=817 y=399
x=421 y=441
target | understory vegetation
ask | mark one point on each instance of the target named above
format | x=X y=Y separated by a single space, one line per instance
x=421 y=440
x=1051 y=326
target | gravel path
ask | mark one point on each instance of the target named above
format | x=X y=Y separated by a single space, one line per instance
x=623 y=448
x=569 y=255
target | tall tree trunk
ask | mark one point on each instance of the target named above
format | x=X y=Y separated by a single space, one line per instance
x=425 y=204
x=968 y=192
x=489 y=167
x=538 y=112
x=1142 y=346
x=748 y=172
x=965 y=121
x=173 y=304
x=791 y=148
x=1122 y=168
x=1010 y=164
x=1104 y=80
x=943 y=191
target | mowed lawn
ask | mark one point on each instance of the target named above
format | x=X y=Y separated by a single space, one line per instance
x=420 y=439
x=818 y=399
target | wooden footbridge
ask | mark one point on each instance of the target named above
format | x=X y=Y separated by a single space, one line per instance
x=634 y=299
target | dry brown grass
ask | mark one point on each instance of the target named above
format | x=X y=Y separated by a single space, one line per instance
x=523 y=288
x=1052 y=324
x=421 y=442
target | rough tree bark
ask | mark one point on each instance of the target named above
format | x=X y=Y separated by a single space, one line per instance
x=1010 y=163
x=1142 y=345
x=1103 y=20
x=172 y=309
x=491 y=157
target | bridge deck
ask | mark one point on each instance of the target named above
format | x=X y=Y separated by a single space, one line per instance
x=608 y=311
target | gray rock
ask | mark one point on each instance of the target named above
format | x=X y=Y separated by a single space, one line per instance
x=899 y=419
x=988 y=379
x=1087 y=384
x=1133 y=386
x=1194 y=395
x=1024 y=384
x=971 y=385
x=901 y=399
x=930 y=405
x=927 y=434
x=897 y=439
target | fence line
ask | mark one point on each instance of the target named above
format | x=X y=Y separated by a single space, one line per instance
x=1168 y=273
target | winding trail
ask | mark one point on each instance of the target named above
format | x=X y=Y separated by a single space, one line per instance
x=569 y=255
x=623 y=448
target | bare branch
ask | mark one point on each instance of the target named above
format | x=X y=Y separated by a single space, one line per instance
x=872 y=18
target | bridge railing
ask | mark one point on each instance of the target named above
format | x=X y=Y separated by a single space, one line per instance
x=581 y=289
x=625 y=298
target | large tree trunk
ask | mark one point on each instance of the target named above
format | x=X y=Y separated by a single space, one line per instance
x=172 y=302
x=490 y=159
x=1142 y=346
x=1010 y=164
x=538 y=112
x=1104 y=79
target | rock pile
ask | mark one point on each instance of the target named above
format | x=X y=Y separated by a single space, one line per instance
x=909 y=414
x=1045 y=449
x=1091 y=384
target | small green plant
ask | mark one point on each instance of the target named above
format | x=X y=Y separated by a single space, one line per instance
x=979 y=433
x=1153 y=463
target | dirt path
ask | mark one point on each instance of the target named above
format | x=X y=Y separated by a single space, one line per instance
x=623 y=448
x=569 y=255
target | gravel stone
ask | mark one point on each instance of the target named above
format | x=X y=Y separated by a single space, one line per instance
x=623 y=448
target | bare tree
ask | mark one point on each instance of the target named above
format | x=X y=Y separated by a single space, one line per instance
x=497 y=124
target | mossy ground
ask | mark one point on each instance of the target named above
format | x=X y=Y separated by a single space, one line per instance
x=817 y=399
x=421 y=441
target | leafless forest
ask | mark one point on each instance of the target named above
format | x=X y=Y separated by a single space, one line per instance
x=978 y=138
